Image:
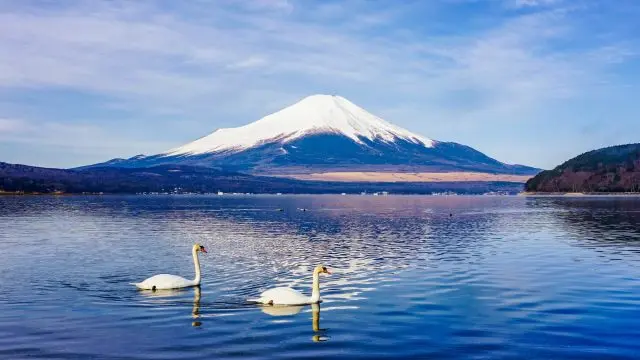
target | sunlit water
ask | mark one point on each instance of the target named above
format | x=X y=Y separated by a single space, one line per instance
x=414 y=277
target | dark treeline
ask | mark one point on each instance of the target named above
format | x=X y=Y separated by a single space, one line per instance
x=29 y=179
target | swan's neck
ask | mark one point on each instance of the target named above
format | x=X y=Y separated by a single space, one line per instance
x=196 y=263
x=315 y=293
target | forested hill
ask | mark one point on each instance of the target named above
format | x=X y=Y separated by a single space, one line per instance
x=611 y=169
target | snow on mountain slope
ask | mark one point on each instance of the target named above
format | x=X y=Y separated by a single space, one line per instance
x=320 y=134
x=315 y=114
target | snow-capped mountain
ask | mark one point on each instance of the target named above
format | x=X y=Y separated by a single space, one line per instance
x=317 y=114
x=323 y=133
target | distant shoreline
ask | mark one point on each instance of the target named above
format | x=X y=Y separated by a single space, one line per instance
x=522 y=194
x=20 y=193
x=577 y=194
x=229 y=195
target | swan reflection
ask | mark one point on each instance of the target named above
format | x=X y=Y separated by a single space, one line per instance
x=281 y=310
x=318 y=336
x=294 y=310
x=195 y=312
x=172 y=293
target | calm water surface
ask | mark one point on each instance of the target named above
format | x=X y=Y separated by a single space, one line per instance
x=414 y=277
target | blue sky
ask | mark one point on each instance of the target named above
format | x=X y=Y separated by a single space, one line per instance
x=525 y=81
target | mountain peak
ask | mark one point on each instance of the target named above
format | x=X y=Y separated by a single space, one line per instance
x=325 y=134
x=322 y=101
x=321 y=97
x=314 y=114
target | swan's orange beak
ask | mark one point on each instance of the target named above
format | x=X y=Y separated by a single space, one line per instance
x=203 y=249
x=328 y=271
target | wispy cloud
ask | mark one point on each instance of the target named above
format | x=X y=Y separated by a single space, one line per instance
x=128 y=50
x=236 y=60
x=9 y=126
x=531 y=3
x=83 y=139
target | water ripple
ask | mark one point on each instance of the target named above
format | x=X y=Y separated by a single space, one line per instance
x=414 y=277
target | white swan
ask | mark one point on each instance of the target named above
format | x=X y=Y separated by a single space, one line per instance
x=166 y=281
x=288 y=296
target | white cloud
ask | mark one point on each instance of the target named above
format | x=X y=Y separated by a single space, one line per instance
x=275 y=5
x=211 y=59
x=144 y=54
x=81 y=138
x=8 y=126
x=533 y=3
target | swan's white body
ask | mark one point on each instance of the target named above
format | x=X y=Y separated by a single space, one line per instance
x=289 y=296
x=286 y=296
x=167 y=281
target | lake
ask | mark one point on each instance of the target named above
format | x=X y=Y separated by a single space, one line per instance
x=413 y=277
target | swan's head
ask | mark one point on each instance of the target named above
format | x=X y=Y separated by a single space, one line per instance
x=321 y=269
x=198 y=247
